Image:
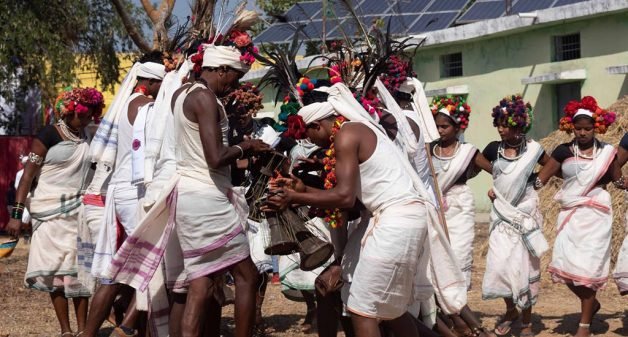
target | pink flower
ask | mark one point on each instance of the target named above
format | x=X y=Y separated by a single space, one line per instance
x=242 y=40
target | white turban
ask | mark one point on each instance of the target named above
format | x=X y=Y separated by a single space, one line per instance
x=218 y=56
x=341 y=102
x=151 y=70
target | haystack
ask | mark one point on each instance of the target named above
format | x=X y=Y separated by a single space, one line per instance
x=550 y=208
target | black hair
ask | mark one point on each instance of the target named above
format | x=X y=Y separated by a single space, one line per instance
x=155 y=56
x=314 y=96
x=193 y=49
x=403 y=96
x=267 y=121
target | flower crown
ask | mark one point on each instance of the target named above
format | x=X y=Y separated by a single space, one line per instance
x=456 y=107
x=515 y=111
x=241 y=40
x=79 y=101
x=369 y=102
x=397 y=71
x=247 y=98
x=602 y=118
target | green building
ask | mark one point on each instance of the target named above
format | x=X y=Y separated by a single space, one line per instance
x=549 y=56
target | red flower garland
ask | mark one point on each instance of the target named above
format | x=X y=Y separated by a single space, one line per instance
x=603 y=118
x=332 y=215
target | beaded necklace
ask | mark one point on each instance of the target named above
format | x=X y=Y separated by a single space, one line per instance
x=332 y=216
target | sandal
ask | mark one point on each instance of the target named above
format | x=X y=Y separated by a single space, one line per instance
x=586 y=326
x=504 y=327
x=67 y=333
x=79 y=333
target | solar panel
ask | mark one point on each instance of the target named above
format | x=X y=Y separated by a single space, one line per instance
x=409 y=6
x=278 y=32
x=447 y=5
x=483 y=11
x=370 y=7
x=314 y=30
x=530 y=5
x=400 y=24
x=303 y=11
x=337 y=9
x=432 y=21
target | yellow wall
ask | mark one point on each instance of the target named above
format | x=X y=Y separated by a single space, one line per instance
x=494 y=67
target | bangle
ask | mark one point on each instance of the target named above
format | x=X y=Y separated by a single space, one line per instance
x=35 y=158
x=19 y=205
x=241 y=151
x=17 y=213
x=538 y=183
x=619 y=183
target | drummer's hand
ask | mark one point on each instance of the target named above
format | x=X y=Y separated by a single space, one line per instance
x=293 y=183
x=14 y=227
x=491 y=195
x=278 y=200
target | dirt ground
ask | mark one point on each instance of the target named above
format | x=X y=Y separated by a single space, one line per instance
x=29 y=313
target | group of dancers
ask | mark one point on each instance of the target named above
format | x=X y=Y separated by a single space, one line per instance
x=148 y=215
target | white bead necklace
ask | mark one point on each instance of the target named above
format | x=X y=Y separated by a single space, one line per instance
x=592 y=162
x=67 y=133
x=501 y=153
x=438 y=153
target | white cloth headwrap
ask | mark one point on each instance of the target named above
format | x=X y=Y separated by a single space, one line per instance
x=584 y=112
x=340 y=101
x=218 y=56
x=422 y=109
x=151 y=70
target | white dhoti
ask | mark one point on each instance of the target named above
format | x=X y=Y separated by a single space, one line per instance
x=383 y=283
x=209 y=228
x=259 y=236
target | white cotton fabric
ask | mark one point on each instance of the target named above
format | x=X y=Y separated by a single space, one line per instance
x=621 y=267
x=583 y=112
x=218 y=56
x=420 y=105
x=581 y=253
x=138 y=144
x=316 y=111
x=151 y=70
x=511 y=270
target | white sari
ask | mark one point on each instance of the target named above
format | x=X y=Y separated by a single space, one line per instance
x=459 y=205
x=511 y=270
x=54 y=205
x=582 y=248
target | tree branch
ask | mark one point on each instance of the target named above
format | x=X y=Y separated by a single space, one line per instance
x=130 y=27
x=160 y=33
x=150 y=10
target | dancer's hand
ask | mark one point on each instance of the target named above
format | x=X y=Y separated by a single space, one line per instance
x=491 y=195
x=14 y=227
x=254 y=146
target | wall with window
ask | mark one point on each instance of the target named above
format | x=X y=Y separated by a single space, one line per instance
x=494 y=66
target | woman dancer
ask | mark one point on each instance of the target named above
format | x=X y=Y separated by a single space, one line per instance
x=57 y=157
x=455 y=162
x=581 y=255
x=512 y=270
x=621 y=268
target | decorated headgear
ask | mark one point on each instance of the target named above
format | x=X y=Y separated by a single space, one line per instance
x=78 y=101
x=515 y=112
x=455 y=107
x=396 y=72
x=587 y=107
x=247 y=99
x=232 y=48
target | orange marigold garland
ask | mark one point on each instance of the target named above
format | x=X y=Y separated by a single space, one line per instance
x=332 y=216
x=603 y=118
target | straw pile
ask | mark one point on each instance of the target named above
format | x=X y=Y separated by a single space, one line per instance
x=550 y=207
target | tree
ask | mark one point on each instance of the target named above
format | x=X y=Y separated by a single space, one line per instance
x=43 y=43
